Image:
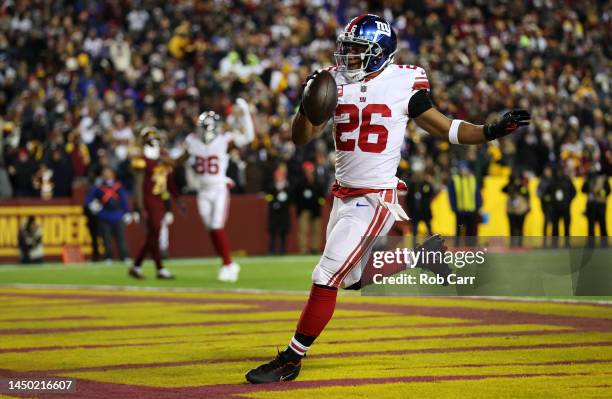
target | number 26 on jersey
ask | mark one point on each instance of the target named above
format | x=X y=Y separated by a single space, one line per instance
x=348 y=121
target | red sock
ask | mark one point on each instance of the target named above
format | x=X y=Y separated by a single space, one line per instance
x=318 y=311
x=219 y=240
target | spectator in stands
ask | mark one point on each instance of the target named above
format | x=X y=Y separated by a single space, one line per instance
x=279 y=221
x=61 y=168
x=21 y=172
x=309 y=197
x=43 y=182
x=517 y=206
x=465 y=198
x=597 y=188
x=78 y=152
x=109 y=202
x=30 y=242
x=421 y=191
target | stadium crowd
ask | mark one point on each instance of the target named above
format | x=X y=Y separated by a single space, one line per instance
x=80 y=79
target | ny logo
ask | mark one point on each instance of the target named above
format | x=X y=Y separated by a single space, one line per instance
x=383 y=28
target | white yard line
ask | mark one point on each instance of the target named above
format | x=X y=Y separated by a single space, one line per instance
x=170 y=262
x=153 y=289
x=286 y=292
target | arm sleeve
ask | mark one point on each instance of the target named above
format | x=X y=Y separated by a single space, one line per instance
x=123 y=198
x=419 y=103
x=90 y=195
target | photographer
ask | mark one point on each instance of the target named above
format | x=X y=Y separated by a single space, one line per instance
x=30 y=242
x=517 y=207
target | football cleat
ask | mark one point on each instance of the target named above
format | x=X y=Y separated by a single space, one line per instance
x=136 y=272
x=434 y=243
x=278 y=370
x=229 y=273
x=164 y=274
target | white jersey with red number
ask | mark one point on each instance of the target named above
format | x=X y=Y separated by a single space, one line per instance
x=370 y=123
x=209 y=161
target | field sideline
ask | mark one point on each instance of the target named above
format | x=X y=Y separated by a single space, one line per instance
x=189 y=339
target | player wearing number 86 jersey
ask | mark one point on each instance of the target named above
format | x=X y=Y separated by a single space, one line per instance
x=206 y=150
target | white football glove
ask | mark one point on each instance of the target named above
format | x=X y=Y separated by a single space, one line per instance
x=168 y=218
x=136 y=217
x=95 y=206
x=128 y=218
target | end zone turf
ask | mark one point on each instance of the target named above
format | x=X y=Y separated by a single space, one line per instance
x=199 y=344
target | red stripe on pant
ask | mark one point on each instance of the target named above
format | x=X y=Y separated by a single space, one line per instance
x=348 y=259
x=370 y=235
x=382 y=219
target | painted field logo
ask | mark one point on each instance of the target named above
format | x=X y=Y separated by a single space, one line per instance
x=61 y=225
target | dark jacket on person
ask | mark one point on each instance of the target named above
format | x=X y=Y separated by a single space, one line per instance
x=561 y=191
x=113 y=199
x=308 y=196
x=418 y=199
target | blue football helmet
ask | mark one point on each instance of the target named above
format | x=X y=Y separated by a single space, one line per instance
x=367 y=45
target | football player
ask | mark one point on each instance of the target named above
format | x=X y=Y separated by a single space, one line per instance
x=153 y=186
x=207 y=152
x=376 y=99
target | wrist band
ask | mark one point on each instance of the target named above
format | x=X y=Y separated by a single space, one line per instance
x=453 y=132
x=486 y=130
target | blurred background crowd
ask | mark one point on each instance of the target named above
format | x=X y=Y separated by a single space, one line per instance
x=80 y=78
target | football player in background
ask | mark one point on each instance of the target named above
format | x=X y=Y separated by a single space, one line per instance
x=152 y=187
x=207 y=152
x=376 y=99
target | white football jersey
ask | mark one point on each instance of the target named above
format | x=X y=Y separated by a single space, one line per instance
x=208 y=161
x=370 y=124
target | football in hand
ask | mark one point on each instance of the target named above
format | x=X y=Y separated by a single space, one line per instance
x=320 y=98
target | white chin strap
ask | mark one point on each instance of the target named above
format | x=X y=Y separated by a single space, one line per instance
x=151 y=152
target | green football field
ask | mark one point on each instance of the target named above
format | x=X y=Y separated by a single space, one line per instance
x=533 y=273
x=195 y=338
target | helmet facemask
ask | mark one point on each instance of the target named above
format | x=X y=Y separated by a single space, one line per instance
x=357 y=57
x=208 y=126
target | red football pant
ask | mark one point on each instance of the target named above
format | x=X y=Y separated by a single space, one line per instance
x=151 y=245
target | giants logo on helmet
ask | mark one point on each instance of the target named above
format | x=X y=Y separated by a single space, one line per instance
x=383 y=28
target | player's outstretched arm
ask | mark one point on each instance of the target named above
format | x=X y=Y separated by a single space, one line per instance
x=138 y=188
x=461 y=132
x=246 y=121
